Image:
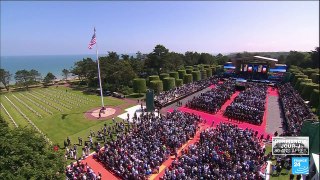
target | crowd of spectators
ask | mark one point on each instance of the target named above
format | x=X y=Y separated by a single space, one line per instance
x=226 y=152
x=249 y=105
x=81 y=171
x=212 y=100
x=139 y=152
x=173 y=94
x=295 y=109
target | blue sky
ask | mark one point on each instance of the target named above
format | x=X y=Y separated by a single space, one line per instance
x=49 y=28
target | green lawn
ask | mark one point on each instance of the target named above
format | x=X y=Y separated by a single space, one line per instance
x=282 y=175
x=70 y=122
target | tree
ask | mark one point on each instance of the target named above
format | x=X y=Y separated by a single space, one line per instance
x=49 y=78
x=125 y=57
x=24 y=78
x=5 y=78
x=85 y=69
x=158 y=58
x=315 y=57
x=35 y=75
x=26 y=155
x=65 y=73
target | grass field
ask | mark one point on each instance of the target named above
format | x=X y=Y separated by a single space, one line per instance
x=57 y=113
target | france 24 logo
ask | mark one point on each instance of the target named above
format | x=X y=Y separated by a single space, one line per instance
x=300 y=165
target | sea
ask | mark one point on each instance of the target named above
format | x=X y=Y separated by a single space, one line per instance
x=42 y=63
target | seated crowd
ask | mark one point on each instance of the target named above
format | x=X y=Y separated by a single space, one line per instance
x=139 y=152
x=295 y=110
x=168 y=96
x=81 y=171
x=226 y=152
x=249 y=105
x=212 y=100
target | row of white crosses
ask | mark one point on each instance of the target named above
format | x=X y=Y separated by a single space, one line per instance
x=30 y=122
x=14 y=123
x=48 y=103
x=26 y=105
x=65 y=95
x=49 y=93
x=53 y=99
x=37 y=104
x=76 y=96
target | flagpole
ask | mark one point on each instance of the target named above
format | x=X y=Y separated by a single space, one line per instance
x=101 y=94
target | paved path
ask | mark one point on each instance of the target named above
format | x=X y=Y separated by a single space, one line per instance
x=274 y=114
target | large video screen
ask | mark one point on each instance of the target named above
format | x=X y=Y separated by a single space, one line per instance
x=253 y=68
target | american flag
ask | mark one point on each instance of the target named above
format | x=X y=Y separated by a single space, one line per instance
x=93 y=39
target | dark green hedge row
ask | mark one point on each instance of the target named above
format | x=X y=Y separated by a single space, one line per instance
x=168 y=83
x=139 y=85
x=187 y=79
x=157 y=86
x=181 y=73
x=163 y=75
x=179 y=82
x=196 y=75
x=174 y=75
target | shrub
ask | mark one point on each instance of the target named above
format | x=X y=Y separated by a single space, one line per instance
x=206 y=66
x=163 y=75
x=179 y=82
x=315 y=77
x=187 y=79
x=157 y=86
x=298 y=76
x=181 y=73
x=174 y=75
x=196 y=75
x=299 y=81
x=301 y=86
x=139 y=85
x=314 y=98
x=307 y=90
x=310 y=71
x=195 y=69
x=168 y=83
x=213 y=68
x=189 y=67
x=153 y=78
x=209 y=72
x=189 y=71
x=203 y=74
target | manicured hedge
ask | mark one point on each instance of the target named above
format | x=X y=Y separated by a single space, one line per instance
x=203 y=74
x=174 y=75
x=189 y=71
x=139 y=85
x=195 y=69
x=307 y=90
x=301 y=86
x=196 y=75
x=181 y=73
x=164 y=75
x=189 y=67
x=213 y=68
x=179 y=82
x=298 y=76
x=315 y=98
x=169 y=83
x=315 y=78
x=209 y=72
x=310 y=71
x=206 y=66
x=299 y=81
x=157 y=86
x=187 y=79
x=154 y=78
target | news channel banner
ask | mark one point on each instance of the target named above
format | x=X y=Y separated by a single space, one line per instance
x=297 y=147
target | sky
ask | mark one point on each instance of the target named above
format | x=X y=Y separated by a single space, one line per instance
x=62 y=28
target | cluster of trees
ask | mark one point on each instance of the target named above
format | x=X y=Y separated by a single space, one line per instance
x=117 y=73
x=24 y=154
x=306 y=82
x=27 y=78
